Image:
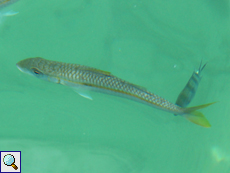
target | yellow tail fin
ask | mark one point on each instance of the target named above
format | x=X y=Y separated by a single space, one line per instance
x=197 y=117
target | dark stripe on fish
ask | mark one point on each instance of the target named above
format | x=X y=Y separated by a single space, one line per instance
x=189 y=91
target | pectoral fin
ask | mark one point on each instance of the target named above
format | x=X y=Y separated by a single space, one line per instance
x=78 y=88
x=84 y=94
x=83 y=91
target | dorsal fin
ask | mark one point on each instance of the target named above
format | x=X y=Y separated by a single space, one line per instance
x=94 y=70
x=138 y=86
x=101 y=71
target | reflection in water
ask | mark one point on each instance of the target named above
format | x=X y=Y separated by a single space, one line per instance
x=219 y=155
x=221 y=160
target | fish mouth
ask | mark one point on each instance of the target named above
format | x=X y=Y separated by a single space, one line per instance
x=18 y=66
x=21 y=68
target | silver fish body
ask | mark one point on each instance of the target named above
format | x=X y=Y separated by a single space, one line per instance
x=75 y=75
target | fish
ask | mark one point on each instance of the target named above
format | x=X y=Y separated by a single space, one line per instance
x=3 y=13
x=4 y=3
x=189 y=91
x=84 y=78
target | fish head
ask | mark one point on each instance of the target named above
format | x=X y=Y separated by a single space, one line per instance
x=37 y=67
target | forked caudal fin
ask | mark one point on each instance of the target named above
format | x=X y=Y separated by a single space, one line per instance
x=197 y=117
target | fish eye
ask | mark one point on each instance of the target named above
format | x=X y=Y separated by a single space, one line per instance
x=36 y=71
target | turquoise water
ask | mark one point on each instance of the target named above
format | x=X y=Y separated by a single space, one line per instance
x=156 y=44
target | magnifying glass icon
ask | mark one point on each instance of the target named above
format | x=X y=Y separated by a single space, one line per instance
x=9 y=160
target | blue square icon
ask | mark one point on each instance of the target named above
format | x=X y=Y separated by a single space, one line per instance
x=10 y=161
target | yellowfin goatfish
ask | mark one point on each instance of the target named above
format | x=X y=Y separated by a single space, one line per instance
x=87 y=78
x=189 y=90
x=4 y=3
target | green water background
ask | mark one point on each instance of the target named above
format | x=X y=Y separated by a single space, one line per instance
x=156 y=44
